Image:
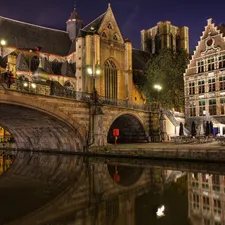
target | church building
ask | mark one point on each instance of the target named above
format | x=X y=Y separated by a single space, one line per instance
x=165 y=35
x=82 y=58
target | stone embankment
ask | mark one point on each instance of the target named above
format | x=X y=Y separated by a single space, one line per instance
x=207 y=152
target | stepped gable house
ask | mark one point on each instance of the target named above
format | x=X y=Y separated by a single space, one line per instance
x=42 y=54
x=204 y=78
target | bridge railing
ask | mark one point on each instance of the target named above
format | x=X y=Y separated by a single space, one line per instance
x=60 y=91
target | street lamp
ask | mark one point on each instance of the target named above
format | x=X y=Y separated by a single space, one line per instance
x=158 y=88
x=2 y=43
x=94 y=71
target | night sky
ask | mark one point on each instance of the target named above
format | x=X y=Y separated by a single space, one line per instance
x=132 y=16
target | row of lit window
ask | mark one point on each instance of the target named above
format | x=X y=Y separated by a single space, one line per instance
x=209 y=64
x=202 y=84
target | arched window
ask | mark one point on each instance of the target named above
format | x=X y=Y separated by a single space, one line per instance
x=34 y=63
x=110 y=73
x=56 y=67
x=68 y=85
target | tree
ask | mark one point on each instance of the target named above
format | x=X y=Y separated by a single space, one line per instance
x=166 y=69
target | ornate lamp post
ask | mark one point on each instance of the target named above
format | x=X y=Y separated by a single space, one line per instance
x=94 y=71
x=158 y=88
x=2 y=43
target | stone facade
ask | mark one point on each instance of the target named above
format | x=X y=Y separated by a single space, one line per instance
x=164 y=35
x=42 y=54
x=204 y=78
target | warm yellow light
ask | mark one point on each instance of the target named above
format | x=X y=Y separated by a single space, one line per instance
x=33 y=85
x=25 y=84
x=98 y=72
x=157 y=87
x=89 y=70
x=3 y=42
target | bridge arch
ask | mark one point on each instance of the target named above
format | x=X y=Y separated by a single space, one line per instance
x=131 y=129
x=38 y=124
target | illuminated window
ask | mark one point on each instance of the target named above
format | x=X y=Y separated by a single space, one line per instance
x=222 y=62
x=212 y=85
x=211 y=64
x=191 y=88
x=201 y=87
x=212 y=106
x=222 y=106
x=222 y=83
x=201 y=107
x=200 y=67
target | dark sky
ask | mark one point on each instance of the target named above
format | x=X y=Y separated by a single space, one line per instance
x=132 y=16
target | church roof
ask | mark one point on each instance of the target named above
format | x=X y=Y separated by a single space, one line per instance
x=28 y=36
x=74 y=15
x=95 y=24
x=139 y=59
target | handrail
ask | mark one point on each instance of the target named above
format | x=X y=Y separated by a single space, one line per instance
x=55 y=89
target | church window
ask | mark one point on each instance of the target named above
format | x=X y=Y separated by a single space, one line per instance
x=34 y=63
x=212 y=85
x=191 y=88
x=110 y=26
x=200 y=67
x=201 y=87
x=110 y=74
x=115 y=38
x=201 y=107
x=104 y=34
x=222 y=83
x=56 y=67
x=221 y=62
x=212 y=106
x=211 y=64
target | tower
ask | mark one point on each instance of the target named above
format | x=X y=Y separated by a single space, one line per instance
x=73 y=25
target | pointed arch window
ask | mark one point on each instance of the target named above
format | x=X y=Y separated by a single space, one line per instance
x=34 y=63
x=110 y=73
x=110 y=26
x=56 y=67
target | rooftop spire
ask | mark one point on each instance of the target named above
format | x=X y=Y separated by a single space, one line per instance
x=75 y=4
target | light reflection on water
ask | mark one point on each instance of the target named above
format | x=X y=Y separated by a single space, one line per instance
x=60 y=189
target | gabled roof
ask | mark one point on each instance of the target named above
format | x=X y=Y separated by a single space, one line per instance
x=95 y=23
x=24 y=35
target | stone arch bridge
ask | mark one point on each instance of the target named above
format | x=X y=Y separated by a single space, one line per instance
x=43 y=121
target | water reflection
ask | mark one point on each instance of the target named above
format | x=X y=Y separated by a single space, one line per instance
x=57 y=189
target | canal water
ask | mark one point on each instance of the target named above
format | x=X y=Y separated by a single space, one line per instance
x=54 y=189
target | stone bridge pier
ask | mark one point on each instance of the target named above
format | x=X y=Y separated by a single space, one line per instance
x=50 y=122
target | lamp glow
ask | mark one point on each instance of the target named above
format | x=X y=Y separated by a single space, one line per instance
x=3 y=42
x=98 y=72
x=157 y=87
x=33 y=85
x=25 y=84
x=89 y=70
x=160 y=211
